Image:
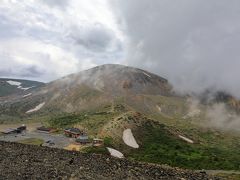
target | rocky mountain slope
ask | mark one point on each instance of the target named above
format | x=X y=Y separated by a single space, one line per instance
x=32 y=162
x=87 y=90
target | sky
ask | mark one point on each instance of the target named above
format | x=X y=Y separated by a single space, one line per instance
x=195 y=44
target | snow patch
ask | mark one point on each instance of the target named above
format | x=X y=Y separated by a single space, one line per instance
x=129 y=139
x=147 y=74
x=186 y=139
x=29 y=94
x=38 y=107
x=18 y=84
x=115 y=153
x=159 y=108
x=14 y=83
x=26 y=88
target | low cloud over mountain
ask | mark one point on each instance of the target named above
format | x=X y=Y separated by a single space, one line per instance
x=194 y=44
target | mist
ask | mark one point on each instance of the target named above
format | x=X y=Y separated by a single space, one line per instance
x=194 y=44
x=220 y=117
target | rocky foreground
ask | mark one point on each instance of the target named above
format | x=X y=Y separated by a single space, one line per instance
x=18 y=161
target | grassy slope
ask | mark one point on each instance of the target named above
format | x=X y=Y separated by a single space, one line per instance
x=159 y=142
x=212 y=149
x=159 y=145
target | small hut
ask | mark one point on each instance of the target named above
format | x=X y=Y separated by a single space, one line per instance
x=22 y=128
x=15 y=130
x=44 y=129
x=72 y=132
x=10 y=131
x=82 y=139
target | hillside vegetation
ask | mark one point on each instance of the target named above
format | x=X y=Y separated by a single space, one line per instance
x=158 y=140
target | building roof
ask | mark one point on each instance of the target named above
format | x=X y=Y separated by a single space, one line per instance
x=43 y=128
x=10 y=130
x=73 y=130
x=23 y=127
x=82 y=138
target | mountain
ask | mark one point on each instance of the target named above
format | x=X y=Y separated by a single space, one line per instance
x=89 y=89
x=117 y=80
x=114 y=102
x=16 y=86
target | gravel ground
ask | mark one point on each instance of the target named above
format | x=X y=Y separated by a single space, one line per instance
x=59 y=140
x=18 y=161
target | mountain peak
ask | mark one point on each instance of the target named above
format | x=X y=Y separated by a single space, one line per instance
x=116 y=79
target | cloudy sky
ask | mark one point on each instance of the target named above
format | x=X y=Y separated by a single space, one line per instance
x=193 y=43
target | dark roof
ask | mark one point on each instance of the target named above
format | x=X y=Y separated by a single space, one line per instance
x=82 y=138
x=21 y=128
x=10 y=131
x=42 y=128
x=73 y=130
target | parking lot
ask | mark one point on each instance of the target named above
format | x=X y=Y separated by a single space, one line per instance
x=57 y=140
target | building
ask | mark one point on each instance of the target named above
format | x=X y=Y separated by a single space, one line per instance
x=10 y=131
x=45 y=129
x=72 y=132
x=82 y=139
x=15 y=130
x=97 y=142
x=22 y=128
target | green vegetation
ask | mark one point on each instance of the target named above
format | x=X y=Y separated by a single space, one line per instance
x=96 y=150
x=159 y=143
x=160 y=146
x=93 y=121
x=32 y=141
x=108 y=141
x=7 y=89
x=66 y=120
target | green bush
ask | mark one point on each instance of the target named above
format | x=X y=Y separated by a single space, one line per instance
x=108 y=141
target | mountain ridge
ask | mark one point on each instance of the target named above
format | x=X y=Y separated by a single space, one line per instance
x=10 y=86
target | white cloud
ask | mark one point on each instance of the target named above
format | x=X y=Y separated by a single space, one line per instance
x=193 y=43
x=51 y=61
x=55 y=38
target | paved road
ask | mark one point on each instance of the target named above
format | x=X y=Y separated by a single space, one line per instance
x=59 y=140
